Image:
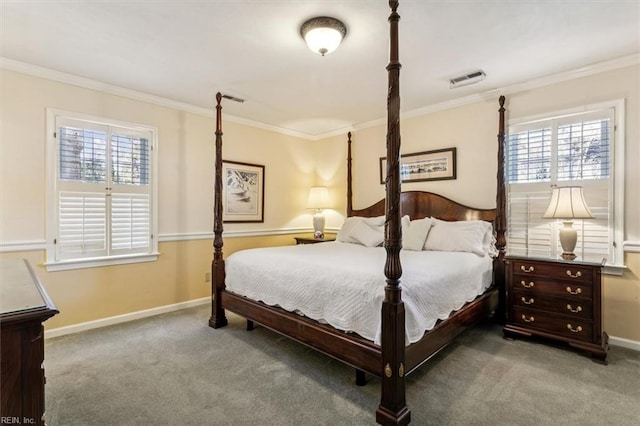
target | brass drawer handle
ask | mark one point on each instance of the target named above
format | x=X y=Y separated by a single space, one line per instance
x=576 y=310
x=529 y=269
x=578 y=329
x=527 y=302
x=525 y=285
x=576 y=275
x=530 y=319
x=578 y=290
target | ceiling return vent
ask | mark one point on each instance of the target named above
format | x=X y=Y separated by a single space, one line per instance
x=466 y=80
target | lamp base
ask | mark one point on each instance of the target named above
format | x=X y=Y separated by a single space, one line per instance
x=318 y=225
x=568 y=239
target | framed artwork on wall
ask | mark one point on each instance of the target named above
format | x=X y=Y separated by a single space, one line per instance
x=242 y=192
x=439 y=164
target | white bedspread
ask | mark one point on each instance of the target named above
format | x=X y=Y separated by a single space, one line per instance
x=343 y=284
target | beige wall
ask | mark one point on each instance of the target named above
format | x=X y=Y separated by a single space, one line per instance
x=621 y=294
x=185 y=195
x=472 y=129
x=292 y=165
x=84 y=295
x=185 y=159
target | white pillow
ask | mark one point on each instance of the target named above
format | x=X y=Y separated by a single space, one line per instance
x=345 y=234
x=374 y=221
x=405 y=223
x=415 y=234
x=366 y=235
x=473 y=236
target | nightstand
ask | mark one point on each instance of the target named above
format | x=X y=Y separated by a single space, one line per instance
x=556 y=299
x=311 y=240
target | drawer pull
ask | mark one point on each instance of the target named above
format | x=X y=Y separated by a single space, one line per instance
x=576 y=310
x=578 y=329
x=527 y=302
x=576 y=275
x=530 y=319
x=529 y=269
x=525 y=285
x=578 y=290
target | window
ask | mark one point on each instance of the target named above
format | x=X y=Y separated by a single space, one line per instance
x=101 y=194
x=568 y=148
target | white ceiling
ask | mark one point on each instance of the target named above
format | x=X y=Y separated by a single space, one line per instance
x=186 y=51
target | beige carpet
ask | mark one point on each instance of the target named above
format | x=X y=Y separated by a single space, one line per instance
x=174 y=370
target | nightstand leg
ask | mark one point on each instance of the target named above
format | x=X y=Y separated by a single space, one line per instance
x=599 y=358
x=250 y=325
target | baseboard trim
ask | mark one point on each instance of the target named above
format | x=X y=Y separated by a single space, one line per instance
x=624 y=343
x=118 y=319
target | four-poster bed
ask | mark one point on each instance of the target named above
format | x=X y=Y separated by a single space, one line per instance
x=392 y=359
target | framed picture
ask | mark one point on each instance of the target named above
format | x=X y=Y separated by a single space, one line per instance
x=439 y=164
x=242 y=192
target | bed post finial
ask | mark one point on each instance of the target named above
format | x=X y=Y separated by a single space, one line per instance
x=393 y=408
x=349 y=178
x=218 y=318
x=501 y=217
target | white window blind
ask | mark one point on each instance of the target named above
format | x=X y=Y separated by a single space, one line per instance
x=103 y=195
x=562 y=150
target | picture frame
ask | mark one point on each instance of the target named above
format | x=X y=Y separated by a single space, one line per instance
x=242 y=192
x=439 y=164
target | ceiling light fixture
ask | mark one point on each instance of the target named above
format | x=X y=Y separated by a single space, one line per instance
x=323 y=34
x=466 y=80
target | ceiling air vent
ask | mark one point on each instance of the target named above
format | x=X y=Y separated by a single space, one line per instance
x=466 y=80
x=233 y=98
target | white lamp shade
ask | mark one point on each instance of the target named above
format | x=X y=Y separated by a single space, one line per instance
x=567 y=203
x=318 y=198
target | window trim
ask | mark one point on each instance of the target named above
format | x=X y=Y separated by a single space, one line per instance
x=617 y=178
x=52 y=189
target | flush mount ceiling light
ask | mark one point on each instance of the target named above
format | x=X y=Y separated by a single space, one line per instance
x=466 y=80
x=323 y=34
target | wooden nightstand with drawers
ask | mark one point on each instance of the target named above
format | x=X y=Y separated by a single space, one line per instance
x=557 y=299
x=311 y=240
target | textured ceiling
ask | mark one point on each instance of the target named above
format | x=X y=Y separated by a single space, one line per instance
x=186 y=51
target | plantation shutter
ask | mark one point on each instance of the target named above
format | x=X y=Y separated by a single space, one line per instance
x=130 y=227
x=130 y=197
x=561 y=151
x=83 y=225
x=104 y=190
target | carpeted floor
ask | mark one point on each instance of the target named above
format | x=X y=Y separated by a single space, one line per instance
x=174 y=370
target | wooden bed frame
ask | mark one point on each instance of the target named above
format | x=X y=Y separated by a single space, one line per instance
x=392 y=360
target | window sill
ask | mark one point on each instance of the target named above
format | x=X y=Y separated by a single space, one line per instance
x=94 y=262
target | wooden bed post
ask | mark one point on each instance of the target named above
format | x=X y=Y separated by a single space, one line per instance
x=501 y=218
x=393 y=409
x=218 y=318
x=349 y=178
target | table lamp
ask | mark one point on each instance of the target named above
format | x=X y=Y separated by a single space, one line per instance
x=567 y=203
x=318 y=200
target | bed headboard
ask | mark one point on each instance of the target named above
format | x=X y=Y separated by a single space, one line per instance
x=419 y=204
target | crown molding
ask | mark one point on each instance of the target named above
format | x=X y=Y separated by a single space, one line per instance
x=597 y=68
x=37 y=71
x=86 y=83
x=537 y=83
